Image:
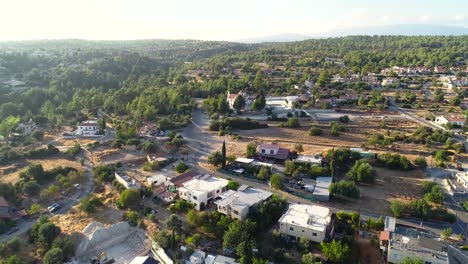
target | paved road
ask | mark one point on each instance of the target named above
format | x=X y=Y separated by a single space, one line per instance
x=202 y=143
x=67 y=204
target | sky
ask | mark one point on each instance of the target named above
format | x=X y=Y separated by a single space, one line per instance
x=212 y=19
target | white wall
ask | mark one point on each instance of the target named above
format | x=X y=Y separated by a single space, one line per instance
x=300 y=231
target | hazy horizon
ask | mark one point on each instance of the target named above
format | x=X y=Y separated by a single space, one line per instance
x=212 y=20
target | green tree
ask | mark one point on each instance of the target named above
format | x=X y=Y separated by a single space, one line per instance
x=174 y=224
x=162 y=238
x=47 y=233
x=323 y=78
x=215 y=159
x=251 y=150
x=66 y=245
x=276 y=181
x=53 y=256
x=37 y=134
x=130 y=198
x=362 y=171
x=232 y=185
x=31 y=188
x=259 y=102
x=336 y=251
x=149 y=147
x=239 y=103
x=398 y=208
x=13 y=260
x=223 y=106
x=309 y=258
x=223 y=153
x=263 y=173
x=8 y=125
x=259 y=82
x=182 y=167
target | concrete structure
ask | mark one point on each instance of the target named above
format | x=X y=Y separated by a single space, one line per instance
x=8 y=212
x=462 y=178
x=401 y=246
x=453 y=120
x=157 y=179
x=88 y=128
x=127 y=181
x=389 y=81
x=321 y=191
x=201 y=191
x=390 y=223
x=313 y=160
x=367 y=154
x=238 y=204
x=219 y=259
x=26 y=128
x=310 y=221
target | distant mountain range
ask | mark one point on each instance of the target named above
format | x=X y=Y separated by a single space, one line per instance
x=403 y=29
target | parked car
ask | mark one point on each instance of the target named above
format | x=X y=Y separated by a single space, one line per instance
x=12 y=230
x=53 y=207
x=77 y=186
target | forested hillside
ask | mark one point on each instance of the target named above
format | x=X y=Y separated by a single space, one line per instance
x=150 y=79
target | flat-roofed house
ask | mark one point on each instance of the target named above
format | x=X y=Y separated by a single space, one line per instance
x=127 y=181
x=237 y=204
x=310 y=221
x=201 y=191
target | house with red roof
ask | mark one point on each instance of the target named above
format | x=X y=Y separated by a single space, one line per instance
x=273 y=151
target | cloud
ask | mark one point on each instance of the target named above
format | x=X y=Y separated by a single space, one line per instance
x=459 y=18
x=424 y=18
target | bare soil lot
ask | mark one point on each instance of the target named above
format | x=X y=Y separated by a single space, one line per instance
x=47 y=164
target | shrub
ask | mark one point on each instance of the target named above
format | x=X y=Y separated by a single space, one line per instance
x=130 y=198
x=31 y=188
x=362 y=171
x=344 y=188
x=132 y=217
x=421 y=162
x=344 y=119
x=276 y=181
x=315 y=131
x=232 y=185
x=14 y=244
x=182 y=167
x=293 y=123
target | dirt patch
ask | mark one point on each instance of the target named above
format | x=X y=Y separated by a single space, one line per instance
x=368 y=253
x=47 y=164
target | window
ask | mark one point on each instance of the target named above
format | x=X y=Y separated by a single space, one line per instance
x=302 y=230
x=272 y=151
x=236 y=212
x=194 y=197
x=396 y=256
x=291 y=228
x=314 y=234
x=427 y=262
x=263 y=151
x=217 y=191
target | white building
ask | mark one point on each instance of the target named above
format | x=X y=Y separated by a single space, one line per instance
x=202 y=190
x=231 y=98
x=310 y=221
x=237 y=204
x=127 y=181
x=462 y=179
x=88 y=128
x=428 y=250
x=26 y=128
x=442 y=120
x=313 y=160
x=389 y=81
x=320 y=188
x=157 y=179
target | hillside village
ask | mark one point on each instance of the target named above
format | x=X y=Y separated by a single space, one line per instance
x=304 y=161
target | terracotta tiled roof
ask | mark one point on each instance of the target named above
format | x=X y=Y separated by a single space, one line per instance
x=385 y=235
